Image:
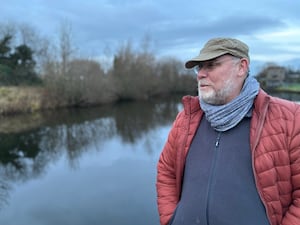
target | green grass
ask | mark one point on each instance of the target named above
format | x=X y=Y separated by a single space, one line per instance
x=289 y=87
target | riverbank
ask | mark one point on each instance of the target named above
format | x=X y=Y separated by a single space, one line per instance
x=29 y=99
x=19 y=100
x=15 y=100
x=287 y=88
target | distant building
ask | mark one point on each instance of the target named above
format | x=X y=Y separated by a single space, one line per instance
x=272 y=77
x=292 y=77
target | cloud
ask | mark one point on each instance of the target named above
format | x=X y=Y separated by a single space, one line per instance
x=270 y=28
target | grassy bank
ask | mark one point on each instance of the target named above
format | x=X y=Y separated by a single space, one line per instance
x=15 y=100
x=295 y=88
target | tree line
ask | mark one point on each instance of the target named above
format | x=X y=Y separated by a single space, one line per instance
x=67 y=79
x=17 y=64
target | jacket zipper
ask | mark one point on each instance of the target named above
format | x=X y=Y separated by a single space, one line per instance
x=212 y=174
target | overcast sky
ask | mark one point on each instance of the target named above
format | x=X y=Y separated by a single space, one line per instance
x=179 y=29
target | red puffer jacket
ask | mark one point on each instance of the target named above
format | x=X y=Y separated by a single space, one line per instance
x=275 y=146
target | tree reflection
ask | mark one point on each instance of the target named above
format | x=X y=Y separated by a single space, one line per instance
x=25 y=153
x=4 y=193
x=133 y=120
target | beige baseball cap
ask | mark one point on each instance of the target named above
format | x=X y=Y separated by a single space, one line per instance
x=217 y=47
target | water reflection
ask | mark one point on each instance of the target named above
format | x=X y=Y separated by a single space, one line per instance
x=4 y=192
x=43 y=145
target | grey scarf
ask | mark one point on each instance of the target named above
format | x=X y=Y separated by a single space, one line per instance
x=224 y=117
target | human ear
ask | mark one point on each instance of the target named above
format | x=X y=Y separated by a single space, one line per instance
x=243 y=67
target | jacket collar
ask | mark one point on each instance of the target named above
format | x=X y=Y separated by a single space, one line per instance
x=190 y=104
x=261 y=102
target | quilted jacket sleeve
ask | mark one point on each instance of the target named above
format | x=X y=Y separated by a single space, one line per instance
x=167 y=196
x=292 y=216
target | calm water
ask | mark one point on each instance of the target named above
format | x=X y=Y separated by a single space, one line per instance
x=85 y=166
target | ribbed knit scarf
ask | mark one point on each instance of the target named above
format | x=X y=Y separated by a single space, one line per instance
x=224 y=117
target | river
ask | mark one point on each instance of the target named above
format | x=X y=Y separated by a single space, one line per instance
x=83 y=166
x=89 y=166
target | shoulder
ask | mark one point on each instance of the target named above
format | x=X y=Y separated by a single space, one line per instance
x=275 y=105
x=279 y=116
x=188 y=116
x=190 y=104
x=284 y=107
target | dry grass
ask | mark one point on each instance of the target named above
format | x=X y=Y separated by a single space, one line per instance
x=20 y=99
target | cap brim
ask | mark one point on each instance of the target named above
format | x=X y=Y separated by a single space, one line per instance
x=201 y=58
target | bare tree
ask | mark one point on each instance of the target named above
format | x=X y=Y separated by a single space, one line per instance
x=65 y=43
x=8 y=29
x=40 y=46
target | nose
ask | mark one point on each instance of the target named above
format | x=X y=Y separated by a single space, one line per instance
x=202 y=73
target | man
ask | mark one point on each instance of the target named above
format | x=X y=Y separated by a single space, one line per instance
x=233 y=153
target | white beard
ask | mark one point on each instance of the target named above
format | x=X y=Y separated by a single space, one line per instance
x=218 y=97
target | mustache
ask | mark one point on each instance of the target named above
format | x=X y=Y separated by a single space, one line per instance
x=202 y=82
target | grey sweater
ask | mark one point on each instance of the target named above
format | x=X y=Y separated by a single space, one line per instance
x=218 y=184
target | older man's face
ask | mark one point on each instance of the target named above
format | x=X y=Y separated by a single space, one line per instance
x=218 y=81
